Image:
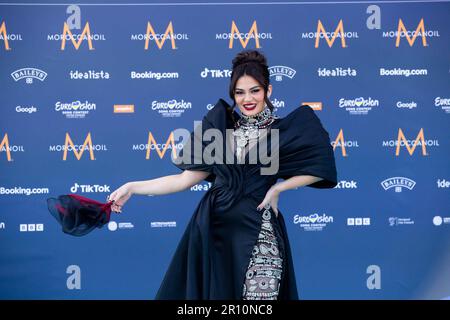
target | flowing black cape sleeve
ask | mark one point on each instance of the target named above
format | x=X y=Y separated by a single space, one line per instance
x=305 y=148
x=216 y=118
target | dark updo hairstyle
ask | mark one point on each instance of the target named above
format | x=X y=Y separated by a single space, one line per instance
x=254 y=64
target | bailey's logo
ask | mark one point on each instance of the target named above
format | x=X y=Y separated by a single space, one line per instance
x=398 y=183
x=29 y=74
x=281 y=71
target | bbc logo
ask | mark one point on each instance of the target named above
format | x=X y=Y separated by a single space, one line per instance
x=358 y=221
x=31 y=227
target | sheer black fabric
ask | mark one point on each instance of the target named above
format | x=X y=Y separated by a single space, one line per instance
x=212 y=257
x=79 y=215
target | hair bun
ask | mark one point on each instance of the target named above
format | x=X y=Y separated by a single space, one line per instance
x=249 y=56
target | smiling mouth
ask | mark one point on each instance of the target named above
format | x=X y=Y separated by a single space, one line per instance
x=249 y=106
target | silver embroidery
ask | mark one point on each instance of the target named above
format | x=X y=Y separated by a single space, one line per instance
x=262 y=280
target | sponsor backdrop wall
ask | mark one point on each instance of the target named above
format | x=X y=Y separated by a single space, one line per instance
x=91 y=93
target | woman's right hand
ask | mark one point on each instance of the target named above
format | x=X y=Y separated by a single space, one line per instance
x=120 y=196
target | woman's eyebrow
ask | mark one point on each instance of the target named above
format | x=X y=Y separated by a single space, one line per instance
x=250 y=88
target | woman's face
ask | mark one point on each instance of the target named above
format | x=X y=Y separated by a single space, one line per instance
x=249 y=95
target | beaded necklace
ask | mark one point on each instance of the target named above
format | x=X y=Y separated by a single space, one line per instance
x=247 y=128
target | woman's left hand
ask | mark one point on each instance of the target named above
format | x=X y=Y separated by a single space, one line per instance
x=271 y=199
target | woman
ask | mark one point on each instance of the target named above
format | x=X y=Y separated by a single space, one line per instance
x=235 y=245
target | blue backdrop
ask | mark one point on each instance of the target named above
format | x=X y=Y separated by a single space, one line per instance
x=377 y=74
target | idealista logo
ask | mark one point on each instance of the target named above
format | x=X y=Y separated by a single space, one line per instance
x=330 y=37
x=201 y=187
x=337 y=72
x=313 y=222
x=29 y=74
x=398 y=183
x=409 y=144
x=78 y=149
x=444 y=103
x=443 y=184
x=171 y=108
x=75 y=109
x=411 y=36
x=281 y=71
x=8 y=148
x=159 y=38
x=160 y=148
x=243 y=37
x=88 y=75
x=358 y=106
x=6 y=37
x=343 y=144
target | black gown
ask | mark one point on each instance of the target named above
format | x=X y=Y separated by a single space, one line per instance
x=212 y=257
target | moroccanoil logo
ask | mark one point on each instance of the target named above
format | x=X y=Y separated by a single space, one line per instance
x=6 y=147
x=330 y=37
x=411 y=145
x=160 y=148
x=160 y=38
x=86 y=34
x=78 y=149
x=6 y=37
x=243 y=37
x=411 y=36
x=76 y=39
x=343 y=144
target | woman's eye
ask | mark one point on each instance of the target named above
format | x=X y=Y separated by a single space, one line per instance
x=239 y=93
x=255 y=91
